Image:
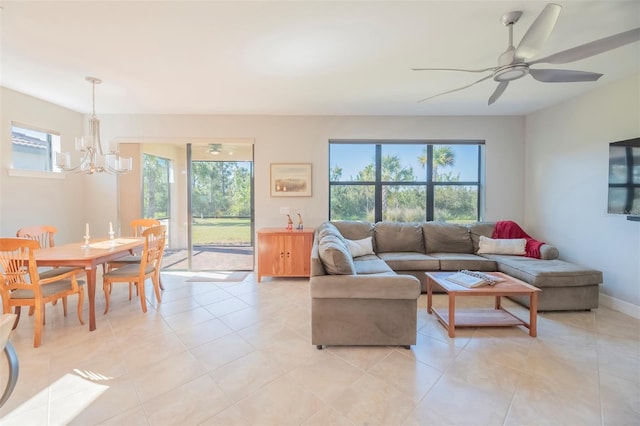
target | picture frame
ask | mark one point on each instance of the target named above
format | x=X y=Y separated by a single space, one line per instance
x=290 y=179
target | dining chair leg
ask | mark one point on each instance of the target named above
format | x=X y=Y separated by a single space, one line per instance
x=16 y=310
x=38 y=323
x=156 y=288
x=64 y=306
x=143 y=299
x=106 y=287
x=80 y=302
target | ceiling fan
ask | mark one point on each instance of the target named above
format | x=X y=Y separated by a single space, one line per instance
x=515 y=63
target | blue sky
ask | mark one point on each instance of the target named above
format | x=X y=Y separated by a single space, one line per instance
x=354 y=157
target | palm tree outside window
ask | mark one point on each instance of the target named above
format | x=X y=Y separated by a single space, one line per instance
x=405 y=181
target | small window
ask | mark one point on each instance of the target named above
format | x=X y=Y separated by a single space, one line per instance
x=32 y=149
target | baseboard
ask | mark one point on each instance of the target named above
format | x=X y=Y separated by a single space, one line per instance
x=620 y=306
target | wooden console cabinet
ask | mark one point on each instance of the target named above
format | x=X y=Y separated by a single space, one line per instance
x=284 y=253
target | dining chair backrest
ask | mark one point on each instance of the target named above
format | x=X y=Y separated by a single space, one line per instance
x=154 y=240
x=17 y=262
x=44 y=234
x=139 y=225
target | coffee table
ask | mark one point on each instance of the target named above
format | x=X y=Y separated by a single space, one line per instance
x=496 y=317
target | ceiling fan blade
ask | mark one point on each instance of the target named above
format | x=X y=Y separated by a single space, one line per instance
x=498 y=92
x=537 y=33
x=563 y=76
x=455 y=90
x=591 y=49
x=454 y=69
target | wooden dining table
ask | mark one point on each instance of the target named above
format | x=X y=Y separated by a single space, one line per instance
x=97 y=252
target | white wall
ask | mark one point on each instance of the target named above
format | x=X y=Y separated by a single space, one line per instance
x=26 y=201
x=304 y=139
x=567 y=154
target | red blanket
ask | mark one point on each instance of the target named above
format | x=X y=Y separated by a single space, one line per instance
x=510 y=229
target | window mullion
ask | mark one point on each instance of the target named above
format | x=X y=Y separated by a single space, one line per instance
x=430 y=189
x=378 y=187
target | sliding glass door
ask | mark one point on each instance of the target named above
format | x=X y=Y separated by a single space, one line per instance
x=203 y=193
x=221 y=195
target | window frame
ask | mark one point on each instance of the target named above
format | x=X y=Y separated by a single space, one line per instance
x=430 y=184
x=53 y=145
x=168 y=168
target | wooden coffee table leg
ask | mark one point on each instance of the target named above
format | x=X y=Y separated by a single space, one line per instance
x=498 y=304
x=533 y=314
x=452 y=314
x=429 y=295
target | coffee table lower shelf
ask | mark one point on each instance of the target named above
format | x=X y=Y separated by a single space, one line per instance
x=479 y=318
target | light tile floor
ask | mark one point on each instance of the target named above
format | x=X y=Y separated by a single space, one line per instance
x=240 y=354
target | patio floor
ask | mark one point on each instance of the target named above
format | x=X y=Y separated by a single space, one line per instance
x=210 y=258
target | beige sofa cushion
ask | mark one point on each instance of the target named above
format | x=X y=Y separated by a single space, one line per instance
x=354 y=230
x=371 y=287
x=398 y=237
x=410 y=261
x=360 y=247
x=546 y=273
x=513 y=246
x=457 y=261
x=371 y=264
x=480 y=228
x=328 y=228
x=441 y=237
x=336 y=257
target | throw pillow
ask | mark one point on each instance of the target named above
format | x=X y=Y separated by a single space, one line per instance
x=360 y=247
x=514 y=246
x=335 y=256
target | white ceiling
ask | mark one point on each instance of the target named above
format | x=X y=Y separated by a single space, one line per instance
x=296 y=57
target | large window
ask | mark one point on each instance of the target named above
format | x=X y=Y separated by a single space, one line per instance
x=156 y=178
x=405 y=181
x=32 y=149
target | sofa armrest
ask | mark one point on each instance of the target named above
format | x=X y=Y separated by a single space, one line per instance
x=364 y=287
x=548 y=252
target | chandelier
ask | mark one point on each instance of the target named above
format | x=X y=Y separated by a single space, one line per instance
x=94 y=158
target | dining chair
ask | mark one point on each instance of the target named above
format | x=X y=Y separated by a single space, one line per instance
x=45 y=235
x=138 y=226
x=21 y=285
x=149 y=267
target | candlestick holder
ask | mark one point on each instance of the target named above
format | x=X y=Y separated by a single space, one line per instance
x=86 y=241
x=111 y=235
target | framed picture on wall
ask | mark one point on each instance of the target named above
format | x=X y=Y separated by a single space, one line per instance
x=290 y=179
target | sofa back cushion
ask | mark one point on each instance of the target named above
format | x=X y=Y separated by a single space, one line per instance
x=442 y=237
x=480 y=228
x=336 y=257
x=328 y=228
x=354 y=230
x=398 y=237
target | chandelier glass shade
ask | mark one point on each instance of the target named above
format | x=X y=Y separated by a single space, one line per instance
x=94 y=157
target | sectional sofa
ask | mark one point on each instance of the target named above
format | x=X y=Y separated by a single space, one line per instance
x=366 y=277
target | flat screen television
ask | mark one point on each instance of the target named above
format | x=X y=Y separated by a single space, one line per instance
x=624 y=177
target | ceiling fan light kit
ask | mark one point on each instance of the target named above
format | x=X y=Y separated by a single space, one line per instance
x=514 y=63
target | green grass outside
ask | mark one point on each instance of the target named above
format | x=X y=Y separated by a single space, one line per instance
x=221 y=231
